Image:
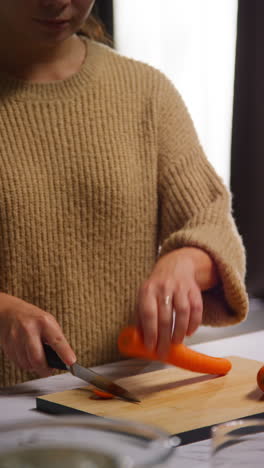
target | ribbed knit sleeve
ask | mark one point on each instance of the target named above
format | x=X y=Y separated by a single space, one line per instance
x=195 y=209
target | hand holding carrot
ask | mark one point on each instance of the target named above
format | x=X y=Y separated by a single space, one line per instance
x=23 y=330
x=130 y=343
x=175 y=284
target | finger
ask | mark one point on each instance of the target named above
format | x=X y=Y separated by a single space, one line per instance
x=139 y=322
x=182 y=316
x=164 y=325
x=36 y=357
x=21 y=358
x=148 y=318
x=16 y=353
x=9 y=353
x=52 y=335
x=196 y=305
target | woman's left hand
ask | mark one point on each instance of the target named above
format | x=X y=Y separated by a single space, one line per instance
x=175 y=284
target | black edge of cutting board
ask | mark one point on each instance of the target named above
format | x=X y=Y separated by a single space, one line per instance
x=188 y=437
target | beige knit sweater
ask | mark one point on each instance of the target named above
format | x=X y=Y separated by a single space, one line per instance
x=96 y=172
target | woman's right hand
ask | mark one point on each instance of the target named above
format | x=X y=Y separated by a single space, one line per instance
x=24 y=328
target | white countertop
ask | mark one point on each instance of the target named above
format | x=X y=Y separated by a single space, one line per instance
x=249 y=345
x=18 y=403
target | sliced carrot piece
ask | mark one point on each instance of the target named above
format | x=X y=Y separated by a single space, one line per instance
x=130 y=343
x=102 y=394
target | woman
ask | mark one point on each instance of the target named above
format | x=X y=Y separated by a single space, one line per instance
x=109 y=210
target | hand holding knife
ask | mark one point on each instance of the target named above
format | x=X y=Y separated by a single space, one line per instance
x=99 y=381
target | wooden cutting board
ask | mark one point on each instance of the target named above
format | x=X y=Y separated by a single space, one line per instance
x=179 y=401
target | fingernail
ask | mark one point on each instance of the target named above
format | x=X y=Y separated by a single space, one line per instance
x=72 y=359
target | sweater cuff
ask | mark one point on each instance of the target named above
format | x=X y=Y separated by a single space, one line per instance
x=227 y=303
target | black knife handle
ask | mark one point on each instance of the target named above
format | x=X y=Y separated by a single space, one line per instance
x=53 y=359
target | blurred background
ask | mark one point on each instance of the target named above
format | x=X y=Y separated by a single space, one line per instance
x=212 y=51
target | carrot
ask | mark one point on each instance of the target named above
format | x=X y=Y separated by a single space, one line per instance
x=131 y=344
x=102 y=394
x=260 y=378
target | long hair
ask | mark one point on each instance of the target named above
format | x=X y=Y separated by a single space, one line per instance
x=96 y=30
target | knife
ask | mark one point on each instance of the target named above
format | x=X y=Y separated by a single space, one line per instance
x=88 y=375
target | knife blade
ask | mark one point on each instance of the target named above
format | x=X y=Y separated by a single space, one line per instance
x=90 y=376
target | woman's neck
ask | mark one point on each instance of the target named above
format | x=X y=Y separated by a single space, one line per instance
x=43 y=65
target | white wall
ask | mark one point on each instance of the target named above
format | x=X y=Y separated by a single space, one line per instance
x=193 y=42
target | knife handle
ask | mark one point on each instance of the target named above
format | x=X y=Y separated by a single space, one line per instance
x=53 y=359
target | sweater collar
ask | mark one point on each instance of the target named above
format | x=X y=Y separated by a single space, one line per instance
x=20 y=90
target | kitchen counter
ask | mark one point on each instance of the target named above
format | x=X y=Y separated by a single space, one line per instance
x=18 y=403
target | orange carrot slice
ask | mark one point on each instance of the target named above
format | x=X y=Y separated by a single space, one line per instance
x=102 y=394
x=131 y=344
